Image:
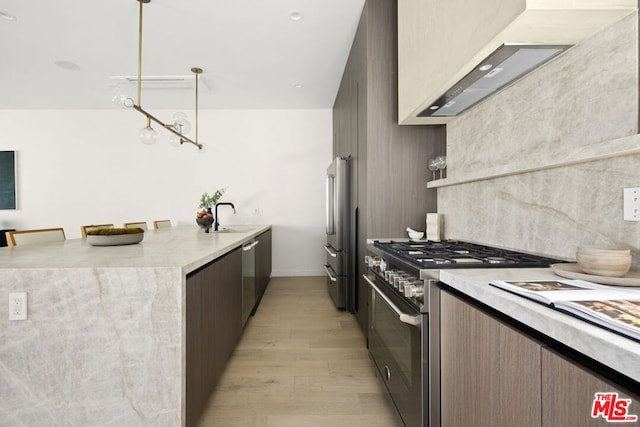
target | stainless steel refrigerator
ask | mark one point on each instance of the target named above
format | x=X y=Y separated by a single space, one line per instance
x=337 y=267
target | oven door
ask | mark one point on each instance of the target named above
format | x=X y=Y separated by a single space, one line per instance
x=395 y=337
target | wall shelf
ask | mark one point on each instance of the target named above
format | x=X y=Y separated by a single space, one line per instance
x=561 y=157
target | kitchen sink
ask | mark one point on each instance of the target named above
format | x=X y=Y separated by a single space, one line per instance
x=239 y=229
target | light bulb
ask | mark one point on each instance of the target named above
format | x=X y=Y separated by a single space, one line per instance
x=183 y=124
x=179 y=115
x=117 y=98
x=174 y=140
x=148 y=136
x=204 y=149
x=128 y=102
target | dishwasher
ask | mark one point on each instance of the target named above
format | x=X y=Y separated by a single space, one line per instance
x=248 y=278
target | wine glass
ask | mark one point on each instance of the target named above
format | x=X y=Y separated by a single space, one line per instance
x=441 y=163
x=433 y=167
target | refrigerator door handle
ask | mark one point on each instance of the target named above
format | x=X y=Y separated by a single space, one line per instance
x=330 y=252
x=330 y=205
x=331 y=276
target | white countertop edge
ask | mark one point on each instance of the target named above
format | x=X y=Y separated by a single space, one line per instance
x=184 y=248
x=242 y=238
x=608 y=348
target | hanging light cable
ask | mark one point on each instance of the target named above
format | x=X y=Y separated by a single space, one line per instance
x=180 y=124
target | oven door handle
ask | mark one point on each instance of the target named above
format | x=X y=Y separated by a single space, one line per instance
x=404 y=317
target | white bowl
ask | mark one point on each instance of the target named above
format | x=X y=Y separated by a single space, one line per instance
x=416 y=235
x=604 y=265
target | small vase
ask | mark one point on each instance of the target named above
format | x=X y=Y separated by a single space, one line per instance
x=206 y=221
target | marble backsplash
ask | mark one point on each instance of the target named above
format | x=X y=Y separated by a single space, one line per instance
x=550 y=211
x=588 y=96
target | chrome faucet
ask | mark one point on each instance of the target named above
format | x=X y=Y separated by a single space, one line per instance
x=216 y=224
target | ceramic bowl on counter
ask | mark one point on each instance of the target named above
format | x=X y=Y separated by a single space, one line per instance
x=606 y=262
x=592 y=250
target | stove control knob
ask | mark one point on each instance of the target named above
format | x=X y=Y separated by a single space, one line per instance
x=415 y=290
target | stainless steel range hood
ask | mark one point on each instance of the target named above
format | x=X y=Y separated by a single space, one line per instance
x=504 y=66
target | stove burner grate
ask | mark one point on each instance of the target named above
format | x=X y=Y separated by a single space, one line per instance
x=457 y=254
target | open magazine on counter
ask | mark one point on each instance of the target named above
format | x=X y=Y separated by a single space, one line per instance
x=615 y=309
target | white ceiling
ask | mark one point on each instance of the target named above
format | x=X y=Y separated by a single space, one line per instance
x=252 y=53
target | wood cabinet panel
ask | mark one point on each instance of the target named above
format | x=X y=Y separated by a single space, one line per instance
x=490 y=373
x=388 y=161
x=213 y=327
x=227 y=310
x=568 y=392
x=263 y=265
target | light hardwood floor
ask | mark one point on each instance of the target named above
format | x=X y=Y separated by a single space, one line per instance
x=300 y=362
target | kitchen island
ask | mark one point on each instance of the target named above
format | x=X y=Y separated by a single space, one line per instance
x=493 y=345
x=105 y=339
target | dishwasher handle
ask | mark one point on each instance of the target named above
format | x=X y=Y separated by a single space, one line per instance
x=250 y=246
x=404 y=317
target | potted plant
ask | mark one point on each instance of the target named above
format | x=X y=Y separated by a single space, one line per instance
x=207 y=201
x=204 y=218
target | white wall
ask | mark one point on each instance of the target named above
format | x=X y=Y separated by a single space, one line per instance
x=83 y=167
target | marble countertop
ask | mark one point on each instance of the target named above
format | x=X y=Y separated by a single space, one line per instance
x=608 y=348
x=187 y=247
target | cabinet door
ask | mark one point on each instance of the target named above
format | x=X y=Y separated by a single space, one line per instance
x=227 y=309
x=569 y=391
x=213 y=327
x=490 y=373
x=263 y=264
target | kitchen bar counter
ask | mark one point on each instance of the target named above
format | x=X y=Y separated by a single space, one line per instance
x=608 y=348
x=186 y=247
x=104 y=342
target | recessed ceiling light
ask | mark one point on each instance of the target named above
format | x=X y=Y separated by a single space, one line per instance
x=295 y=15
x=485 y=67
x=7 y=16
x=298 y=85
x=68 y=65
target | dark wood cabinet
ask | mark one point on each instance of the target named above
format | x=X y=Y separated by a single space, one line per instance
x=490 y=372
x=494 y=374
x=389 y=162
x=213 y=327
x=263 y=265
x=569 y=390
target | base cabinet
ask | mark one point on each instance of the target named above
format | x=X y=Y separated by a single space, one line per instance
x=263 y=264
x=570 y=391
x=490 y=373
x=494 y=375
x=213 y=327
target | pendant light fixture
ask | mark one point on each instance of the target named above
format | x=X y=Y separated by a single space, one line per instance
x=180 y=125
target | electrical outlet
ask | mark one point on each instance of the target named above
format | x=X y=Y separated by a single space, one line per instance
x=17 y=306
x=632 y=204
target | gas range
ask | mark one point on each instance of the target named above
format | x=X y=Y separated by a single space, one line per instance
x=458 y=254
x=406 y=265
x=400 y=333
